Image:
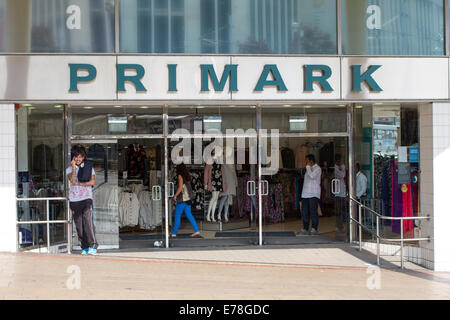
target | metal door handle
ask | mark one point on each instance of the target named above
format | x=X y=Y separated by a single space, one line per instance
x=171 y=190
x=156 y=193
x=251 y=188
x=335 y=186
x=265 y=191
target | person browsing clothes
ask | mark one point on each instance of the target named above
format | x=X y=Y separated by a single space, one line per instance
x=81 y=176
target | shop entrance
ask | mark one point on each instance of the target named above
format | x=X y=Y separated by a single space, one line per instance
x=282 y=204
x=246 y=164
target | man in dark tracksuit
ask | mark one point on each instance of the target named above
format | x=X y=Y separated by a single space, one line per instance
x=80 y=200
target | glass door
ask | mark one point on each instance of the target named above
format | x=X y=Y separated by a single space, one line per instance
x=296 y=133
x=142 y=181
x=218 y=144
x=104 y=155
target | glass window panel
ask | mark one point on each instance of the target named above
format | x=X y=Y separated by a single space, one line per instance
x=305 y=118
x=32 y=236
x=58 y=234
x=116 y=120
x=393 y=27
x=57 y=26
x=221 y=118
x=229 y=26
x=386 y=140
x=40 y=151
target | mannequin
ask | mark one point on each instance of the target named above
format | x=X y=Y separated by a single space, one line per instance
x=213 y=183
x=229 y=185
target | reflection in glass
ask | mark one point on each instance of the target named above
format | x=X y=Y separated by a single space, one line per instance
x=201 y=118
x=102 y=120
x=393 y=27
x=304 y=118
x=228 y=26
x=32 y=235
x=57 y=26
x=36 y=210
x=40 y=155
x=386 y=141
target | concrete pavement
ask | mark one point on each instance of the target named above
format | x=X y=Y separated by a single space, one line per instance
x=335 y=271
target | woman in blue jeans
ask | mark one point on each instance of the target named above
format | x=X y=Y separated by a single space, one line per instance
x=183 y=197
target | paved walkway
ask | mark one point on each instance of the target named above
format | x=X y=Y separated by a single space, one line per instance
x=337 y=271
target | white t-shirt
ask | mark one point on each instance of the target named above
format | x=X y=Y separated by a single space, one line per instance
x=311 y=185
x=361 y=184
x=79 y=193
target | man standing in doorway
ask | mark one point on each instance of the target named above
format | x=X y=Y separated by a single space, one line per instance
x=311 y=195
x=361 y=183
x=340 y=195
x=80 y=199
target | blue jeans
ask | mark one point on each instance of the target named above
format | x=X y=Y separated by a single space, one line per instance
x=183 y=206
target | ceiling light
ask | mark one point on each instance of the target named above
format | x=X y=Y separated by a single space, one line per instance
x=287 y=105
x=58 y=106
x=144 y=107
x=358 y=107
x=88 y=107
x=27 y=105
x=117 y=106
x=307 y=107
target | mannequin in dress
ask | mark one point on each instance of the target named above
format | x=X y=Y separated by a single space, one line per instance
x=229 y=185
x=213 y=183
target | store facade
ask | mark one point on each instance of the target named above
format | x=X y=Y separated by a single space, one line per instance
x=145 y=85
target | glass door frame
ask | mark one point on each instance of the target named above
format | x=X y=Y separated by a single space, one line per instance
x=165 y=136
x=348 y=134
x=115 y=137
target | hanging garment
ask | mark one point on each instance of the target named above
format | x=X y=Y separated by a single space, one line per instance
x=300 y=155
x=145 y=211
x=42 y=160
x=397 y=199
x=298 y=189
x=136 y=161
x=288 y=158
x=128 y=209
x=215 y=183
x=229 y=181
x=276 y=214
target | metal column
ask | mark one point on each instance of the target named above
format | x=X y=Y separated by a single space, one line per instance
x=351 y=166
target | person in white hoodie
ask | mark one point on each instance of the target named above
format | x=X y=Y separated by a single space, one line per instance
x=311 y=196
x=340 y=196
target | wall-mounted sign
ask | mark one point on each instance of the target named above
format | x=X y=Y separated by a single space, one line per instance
x=171 y=78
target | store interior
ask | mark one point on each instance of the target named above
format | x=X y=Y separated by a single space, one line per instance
x=129 y=191
x=139 y=167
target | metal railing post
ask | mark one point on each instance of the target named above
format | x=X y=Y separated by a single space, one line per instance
x=401 y=243
x=69 y=229
x=378 y=240
x=350 y=221
x=360 y=228
x=48 y=225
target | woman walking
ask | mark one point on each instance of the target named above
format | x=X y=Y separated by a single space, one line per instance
x=183 y=197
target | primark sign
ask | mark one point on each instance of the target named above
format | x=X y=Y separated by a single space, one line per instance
x=270 y=76
x=221 y=78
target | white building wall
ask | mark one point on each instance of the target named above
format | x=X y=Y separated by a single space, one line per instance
x=435 y=177
x=8 y=231
x=441 y=178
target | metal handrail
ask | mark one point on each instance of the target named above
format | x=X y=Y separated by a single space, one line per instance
x=377 y=234
x=48 y=221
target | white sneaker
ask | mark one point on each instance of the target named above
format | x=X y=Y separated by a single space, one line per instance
x=314 y=231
